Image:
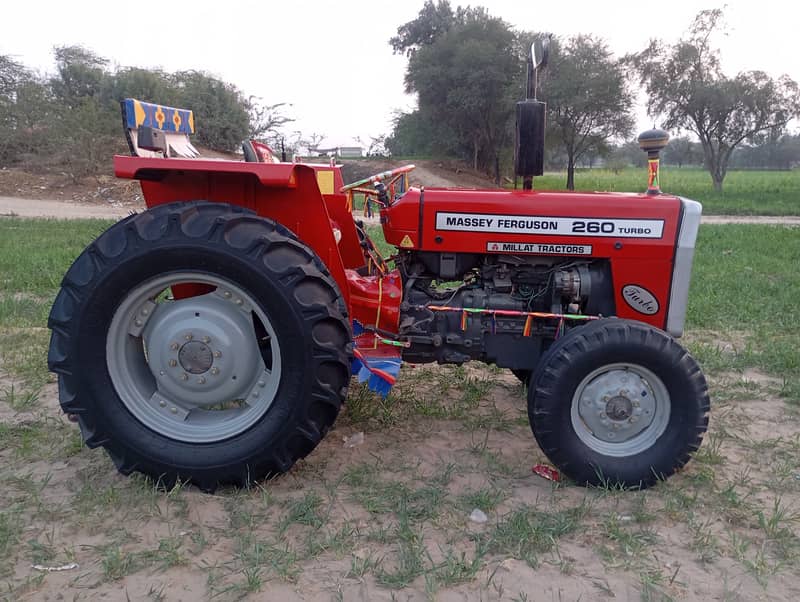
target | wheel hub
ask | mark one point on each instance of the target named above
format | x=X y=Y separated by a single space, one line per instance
x=202 y=350
x=196 y=357
x=620 y=409
x=192 y=369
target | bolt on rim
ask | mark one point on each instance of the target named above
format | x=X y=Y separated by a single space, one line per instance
x=198 y=369
x=620 y=409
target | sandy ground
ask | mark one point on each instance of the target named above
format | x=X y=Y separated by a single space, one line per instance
x=115 y=529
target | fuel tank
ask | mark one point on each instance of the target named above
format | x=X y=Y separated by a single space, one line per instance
x=636 y=233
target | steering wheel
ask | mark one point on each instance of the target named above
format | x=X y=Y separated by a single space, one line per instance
x=390 y=175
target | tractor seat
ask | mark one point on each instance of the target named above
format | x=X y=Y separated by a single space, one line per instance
x=157 y=131
x=258 y=152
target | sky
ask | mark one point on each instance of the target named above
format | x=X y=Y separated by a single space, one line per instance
x=331 y=61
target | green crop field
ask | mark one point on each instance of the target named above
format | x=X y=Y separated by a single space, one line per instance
x=388 y=518
x=744 y=192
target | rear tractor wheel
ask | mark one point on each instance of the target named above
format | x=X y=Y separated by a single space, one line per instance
x=199 y=342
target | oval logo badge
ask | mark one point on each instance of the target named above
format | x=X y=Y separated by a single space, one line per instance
x=640 y=299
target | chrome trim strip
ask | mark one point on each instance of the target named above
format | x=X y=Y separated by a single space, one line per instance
x=682 y=269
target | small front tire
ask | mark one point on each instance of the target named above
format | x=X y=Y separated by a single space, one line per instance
x=618 y=403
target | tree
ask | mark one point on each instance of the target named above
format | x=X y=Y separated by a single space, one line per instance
x=588 y=100
x=466 y=80
x=687 y=88
x=434 y=19
x=682 y=151
x=780 y=153
x=150 y=85
x=219 y=107
x=266 y=120
x=23 y=104
x=81 y=74
x=413 y=134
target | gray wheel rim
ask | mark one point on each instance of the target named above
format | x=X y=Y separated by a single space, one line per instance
x=620 y=410
x=192 y=369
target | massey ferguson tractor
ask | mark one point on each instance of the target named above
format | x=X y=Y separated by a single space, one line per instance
x=212 y=338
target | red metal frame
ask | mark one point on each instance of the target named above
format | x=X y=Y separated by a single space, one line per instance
x=290 y=194
x=644 y=262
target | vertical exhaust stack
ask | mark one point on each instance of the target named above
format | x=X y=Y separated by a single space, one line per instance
x=652 y=142
x=529 y=144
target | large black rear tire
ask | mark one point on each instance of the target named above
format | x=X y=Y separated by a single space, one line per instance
x=618 y=403
x=277 y=313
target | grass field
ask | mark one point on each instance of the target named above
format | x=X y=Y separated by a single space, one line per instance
x=744 y=192
x=387 y=519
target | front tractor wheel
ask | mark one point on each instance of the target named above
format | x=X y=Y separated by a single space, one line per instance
x=199 y=342
x=618 y=403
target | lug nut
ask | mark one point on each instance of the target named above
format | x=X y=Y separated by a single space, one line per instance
x=606 y=398
x=227 y=294
x=174 y=410
x=174 y=346
x=145 y=311
x=184 y=376
x=189 y=337
x=162 y=403
x=206 y=340
x=261 y=383
x=137 y=322
x=172 y=363
x=201 y=380
x=215 y=371
x=255 y=393
x=218 y=354
x=238 y=301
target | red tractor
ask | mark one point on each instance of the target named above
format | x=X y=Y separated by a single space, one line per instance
x=212 y=338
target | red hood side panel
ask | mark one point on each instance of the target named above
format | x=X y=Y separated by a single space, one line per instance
x=635 y=232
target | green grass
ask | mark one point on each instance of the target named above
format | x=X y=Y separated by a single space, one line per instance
x=34 y=254
x=743 y=193
x=745 y=287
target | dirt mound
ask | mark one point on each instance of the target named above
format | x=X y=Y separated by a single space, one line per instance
x=100 y=189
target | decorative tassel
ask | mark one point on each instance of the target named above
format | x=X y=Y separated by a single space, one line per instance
x=380 y=374
x=526 y=332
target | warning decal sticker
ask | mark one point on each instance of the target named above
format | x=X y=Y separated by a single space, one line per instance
x=406 y=243
x=555 y=226
x=538 y=248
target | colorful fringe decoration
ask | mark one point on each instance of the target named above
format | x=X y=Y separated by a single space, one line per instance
x=380 y=373
x=377 y=360
x=528 y=315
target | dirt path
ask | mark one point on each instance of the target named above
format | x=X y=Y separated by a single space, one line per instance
x=13 y=206
x=783 y=220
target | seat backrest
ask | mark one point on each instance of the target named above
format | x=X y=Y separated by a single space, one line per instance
x=258 y=152
x=158 y=122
